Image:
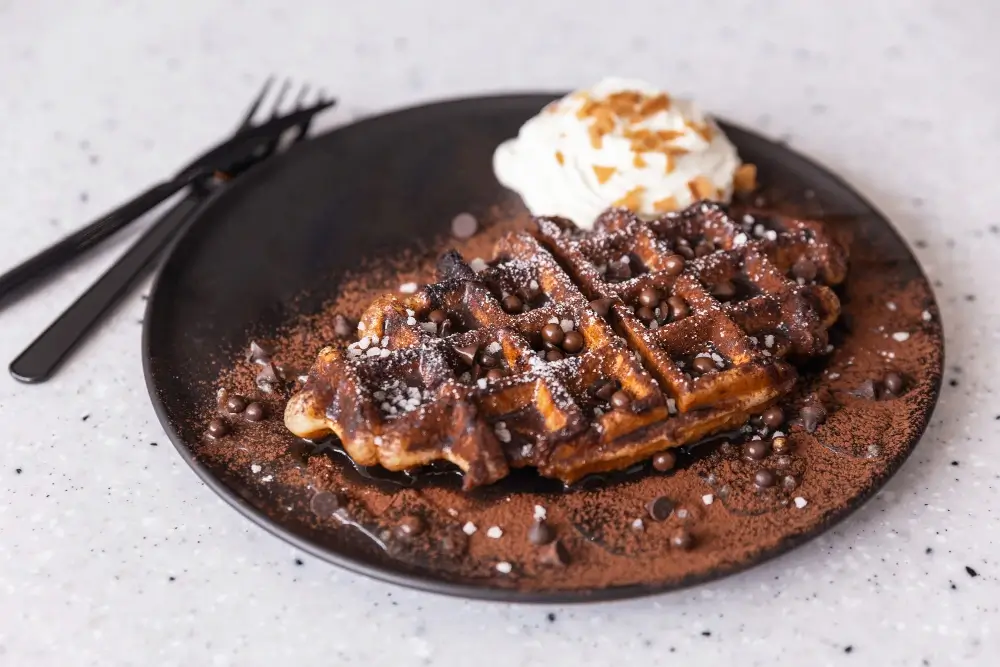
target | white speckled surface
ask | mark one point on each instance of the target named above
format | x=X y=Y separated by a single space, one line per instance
x=113 y=553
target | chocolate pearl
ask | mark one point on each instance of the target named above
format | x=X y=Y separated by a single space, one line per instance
x=464 y=225
x=325 y=503
x=804 y=268
x=812 y=416
x=409 y=526
x=236 y=404
x=255 y=412
x=540 y=533
x=437 y=316
x=554 y=554
x=685 y=251
x=649 y=297
x=757 y=449
x=773 y=417
x=681 y=539
x=783 y=462
x=553 y=333
x=664 y=461
x=704 y=248
x=488 y=360
x=764 y=478
x=494 y=374
x=673 y=265
x=601 y=306
x=789 y=482
x=512 y=304
x=678 y=308
x=893 y=383
x=218 y=428
x=780 y=445
x=646 y=314
x=342 y=327
x=467 y=353
x=620 y=400
x=604 y=389
x=553 y=355
x=724 y=290
x=572 y=342
x=659 y=508
x=703 y=365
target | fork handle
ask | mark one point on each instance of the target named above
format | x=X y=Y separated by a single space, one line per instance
x=72 y=246
x=47 y=352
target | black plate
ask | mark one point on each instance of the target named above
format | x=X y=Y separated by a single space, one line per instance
x=283 y=234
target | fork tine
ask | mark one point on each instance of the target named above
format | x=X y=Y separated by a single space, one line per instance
x=301 y=97
x=255 y=105
x=276 y=110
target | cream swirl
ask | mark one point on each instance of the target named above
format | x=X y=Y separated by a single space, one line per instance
x=620 y=143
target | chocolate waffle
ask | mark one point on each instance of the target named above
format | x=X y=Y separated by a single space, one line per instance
x=580 y=351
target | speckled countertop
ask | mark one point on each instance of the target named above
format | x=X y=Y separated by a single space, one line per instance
x=113 y=553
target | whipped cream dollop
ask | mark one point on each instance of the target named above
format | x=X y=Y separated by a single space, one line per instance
x=619 y=143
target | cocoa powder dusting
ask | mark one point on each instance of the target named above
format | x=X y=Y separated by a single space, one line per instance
x=425 y=523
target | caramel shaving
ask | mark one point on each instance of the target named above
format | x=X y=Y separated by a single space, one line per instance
x=665 y=205
x=745 y=178
x=559 y=157
x=631 y=198
x=638 y=162
x=701 y=188
x=603 y=173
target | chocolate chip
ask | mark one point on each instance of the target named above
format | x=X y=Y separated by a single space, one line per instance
x=620 y=400
x=325 y=503
x=812 y=416
x=673 y=265
x=783 y=462
x=704 y=247
x=764 y=478
x=703 y=365
x=664 y=461
x=659 y=508
x=236 y=404
x=454 y=543
x=649 y=297
x=553 y=355
x=572 y=342
x=893 y=383
x=255 y=412
x=865 y=390
x=681 y=539
x=445 y=328
x=554 y=554
x=773 y=417
x=780 y=445
x=218 y=428
x=724 y=290
x=437 y=316
x=464 y=225
x=645 y=313
x=409 y=526
x=512 y=304
x=601 y=306
x=789 y=482
x=602 y=388
x=495 y=374
x=678 y=308
x=553 y=334
x=258 y=354
x=268 y=379
x=342 y=327
x=540 y=533
x=618 y=271
x=467 y=353
x=757 y=449
x=804 y=268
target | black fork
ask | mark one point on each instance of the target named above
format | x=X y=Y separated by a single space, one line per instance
x=46 y=353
